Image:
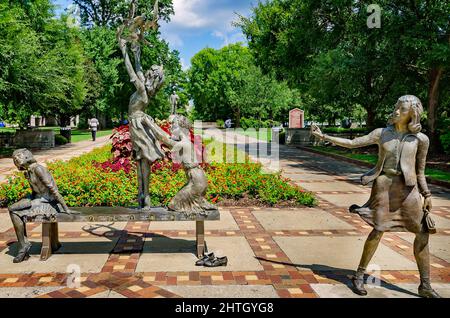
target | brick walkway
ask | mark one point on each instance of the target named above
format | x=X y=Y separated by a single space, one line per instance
x=65 y=152
x=272 y=252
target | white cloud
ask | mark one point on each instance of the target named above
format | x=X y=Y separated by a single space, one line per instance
x=196 y=16
x=174 y=39
x=229 y=37
x=187 y=15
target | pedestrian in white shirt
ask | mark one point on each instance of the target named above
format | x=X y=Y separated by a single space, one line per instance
x=93 y=126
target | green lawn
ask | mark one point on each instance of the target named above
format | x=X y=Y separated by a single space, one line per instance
x=82 y=135
x=6 y=152
x=77 y=135
x=4 y=129
x=220 y=152
x=431 y=173
x=263 y=135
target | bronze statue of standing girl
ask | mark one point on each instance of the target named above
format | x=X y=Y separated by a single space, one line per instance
x=400 y=200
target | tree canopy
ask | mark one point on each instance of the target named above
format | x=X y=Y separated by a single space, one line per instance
x=226 y=83
x=41 y=63
x=50 y=67
x=327 y=51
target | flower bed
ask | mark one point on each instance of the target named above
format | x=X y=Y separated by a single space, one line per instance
x=84 y=182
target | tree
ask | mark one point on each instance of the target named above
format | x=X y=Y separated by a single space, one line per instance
x=261 y=96
x=100 y=48
x=214 y=74
x=40 y=61
x=226 y=81
x=108 y=13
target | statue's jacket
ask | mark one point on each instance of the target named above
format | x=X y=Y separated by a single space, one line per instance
x=411 y=157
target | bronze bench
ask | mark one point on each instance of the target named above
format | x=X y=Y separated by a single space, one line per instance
x=50 y=237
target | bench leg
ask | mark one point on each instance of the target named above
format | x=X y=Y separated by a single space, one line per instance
x=50 y=240
x=200 y=236
x=54 y=240
x=46 y=250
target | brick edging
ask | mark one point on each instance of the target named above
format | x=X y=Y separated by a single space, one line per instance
x=441 y=183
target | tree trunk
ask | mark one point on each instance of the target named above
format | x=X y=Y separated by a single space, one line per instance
x=370 y=121
x=433 y=101
x=237 y=116
x=64 y=120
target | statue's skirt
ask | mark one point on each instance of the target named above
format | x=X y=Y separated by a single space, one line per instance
x=36 y=210
x=393 y=206
x=145 y=145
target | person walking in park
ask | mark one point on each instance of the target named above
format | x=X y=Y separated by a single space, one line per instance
x=93 y=126
x=400 y=200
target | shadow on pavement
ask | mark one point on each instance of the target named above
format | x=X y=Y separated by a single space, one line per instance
x=337 y=274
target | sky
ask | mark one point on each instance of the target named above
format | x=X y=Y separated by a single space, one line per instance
x=198 y=24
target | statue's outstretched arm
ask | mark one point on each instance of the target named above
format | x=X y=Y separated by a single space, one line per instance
x=138 y=83
x=371 y=139
x=136 y=49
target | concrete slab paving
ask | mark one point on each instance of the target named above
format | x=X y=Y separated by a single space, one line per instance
x=301 y=219
x=5 y=222
x=438 y=201
x=177 y=255
x=223 y=291
x=334 y=253
x=26 y=292
x=88 y=253
x=331 y=186
x=441 y=222
x=439 y=245
x=226 y=222
x=346 y=200
x=390 y=291
x=308 y=177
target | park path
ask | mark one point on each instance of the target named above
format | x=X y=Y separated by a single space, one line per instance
x=64 y=153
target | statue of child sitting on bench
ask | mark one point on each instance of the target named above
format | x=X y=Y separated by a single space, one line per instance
x=42 y=205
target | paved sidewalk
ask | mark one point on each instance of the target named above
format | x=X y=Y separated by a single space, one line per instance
x=65 y=152
x=302 y=252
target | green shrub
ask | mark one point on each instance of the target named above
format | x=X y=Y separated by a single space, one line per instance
x=220 y=123
x=445 y=140
x=343 y=130
x=247 y=123
x=82 y=183
x=282 y=137
x=60 y=140
x=444 y=133
x=9 y=133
